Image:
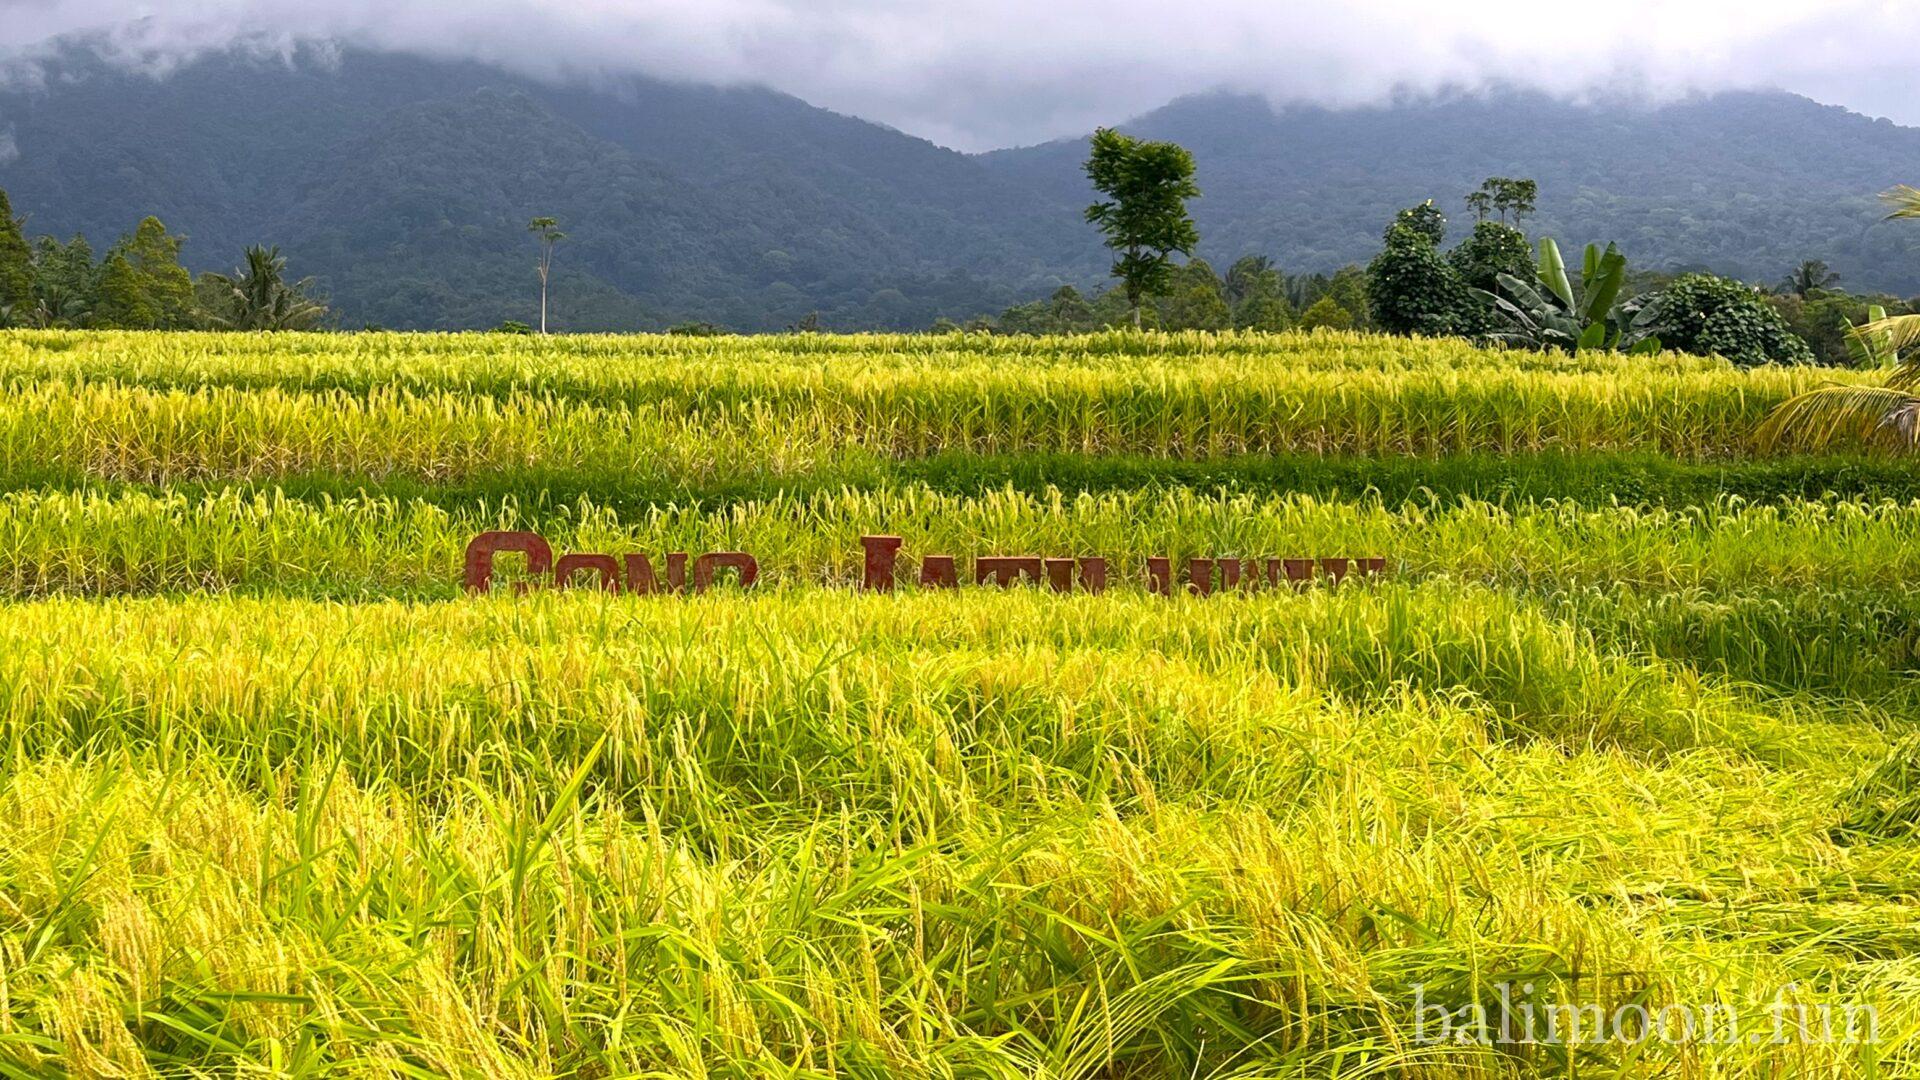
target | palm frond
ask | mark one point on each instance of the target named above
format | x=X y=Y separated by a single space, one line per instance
x=1869 y=416
x=1905 y=201
x=1895 y=334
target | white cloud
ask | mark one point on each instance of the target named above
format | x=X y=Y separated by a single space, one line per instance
x=9 y=150
x=975 y=73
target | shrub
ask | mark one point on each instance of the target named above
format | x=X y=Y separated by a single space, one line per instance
x=1326 y=313
x=1411 y=289
x=1269 y=313
x=1707 y=315
x=1492 y=250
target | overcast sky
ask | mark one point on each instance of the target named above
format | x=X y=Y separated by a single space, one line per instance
x=974 y=74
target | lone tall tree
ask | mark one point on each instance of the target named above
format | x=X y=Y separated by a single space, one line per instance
x=155 y=257
x=1505 y=195
x=1147 y=185
x=547 y=230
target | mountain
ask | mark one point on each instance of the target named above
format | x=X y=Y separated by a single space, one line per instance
x=404 y=184
x=1747 y=184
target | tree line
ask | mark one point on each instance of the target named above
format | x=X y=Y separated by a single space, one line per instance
x=1497 y=285
x=1253 y=294
x=139 y=284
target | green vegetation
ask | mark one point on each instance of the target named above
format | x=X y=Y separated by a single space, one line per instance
x=264 y=541
x=1412 y=288
x=438 y=408
x=547 y=231
x=1252 y=295
x=1506 y=196
x=1489 y=288
x=16 y=266
x=1708 y=315
x=1143 y=215
x=1885 y=415
x=140 y=285
x=1629 y=720
x=384 y=176
x=1494 y=249
x=1548 y=312
x=258 y=297
x=853 y=837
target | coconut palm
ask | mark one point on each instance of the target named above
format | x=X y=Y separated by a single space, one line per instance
x=1886 y=415
x=258 y=297
x=1808 y=278
x=1250 y=273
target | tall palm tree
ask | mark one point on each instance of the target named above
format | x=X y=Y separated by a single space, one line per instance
x=257 y=296
x=1810 y=277
x=1245 y=275
x=1886 y=415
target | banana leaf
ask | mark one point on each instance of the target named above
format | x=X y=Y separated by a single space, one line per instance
x=1602 y=286
x=1553 y=272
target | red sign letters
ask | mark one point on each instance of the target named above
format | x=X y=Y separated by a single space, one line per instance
x=881 y=570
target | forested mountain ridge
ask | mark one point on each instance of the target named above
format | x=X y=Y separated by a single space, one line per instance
x=1745 y=184
x=404 y=184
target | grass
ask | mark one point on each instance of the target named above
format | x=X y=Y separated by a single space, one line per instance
x=1002 y=834
x=264 y=542
x=1637 y=479
x=1631 y=721
x=455 y=408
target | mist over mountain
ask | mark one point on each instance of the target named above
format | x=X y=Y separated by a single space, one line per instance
x=979 y=74
x=405 y=183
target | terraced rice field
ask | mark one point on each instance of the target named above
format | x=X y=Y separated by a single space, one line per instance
x=1630 y=723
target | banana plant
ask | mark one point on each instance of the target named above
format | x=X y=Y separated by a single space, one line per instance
x=1555 y=315
x=1870 y=345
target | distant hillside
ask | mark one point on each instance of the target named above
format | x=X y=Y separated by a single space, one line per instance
x=405 y=185
x=1748 y=184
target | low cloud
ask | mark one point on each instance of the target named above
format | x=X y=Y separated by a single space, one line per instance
x=980 y=73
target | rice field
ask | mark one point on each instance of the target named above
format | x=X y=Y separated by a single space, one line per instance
x=450 y=408
x=1626 y=733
